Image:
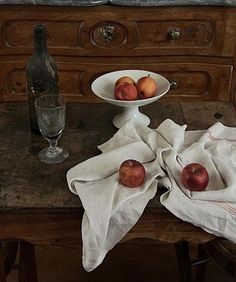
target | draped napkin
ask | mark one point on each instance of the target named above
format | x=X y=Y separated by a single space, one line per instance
x=112 y=209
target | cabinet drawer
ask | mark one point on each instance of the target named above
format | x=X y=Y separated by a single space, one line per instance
x=190 y=81
x=122 y=31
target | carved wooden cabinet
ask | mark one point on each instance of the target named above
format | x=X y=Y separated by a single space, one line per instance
x=194 y=47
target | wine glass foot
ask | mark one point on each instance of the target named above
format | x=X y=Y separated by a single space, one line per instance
x=56 y=157
x=130 y=113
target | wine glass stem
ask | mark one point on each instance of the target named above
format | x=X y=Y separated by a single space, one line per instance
x=52 y=146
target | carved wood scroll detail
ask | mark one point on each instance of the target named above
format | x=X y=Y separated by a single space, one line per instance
x=61 y=34
x=108 y=34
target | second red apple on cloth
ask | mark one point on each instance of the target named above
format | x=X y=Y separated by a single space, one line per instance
x=195 y=177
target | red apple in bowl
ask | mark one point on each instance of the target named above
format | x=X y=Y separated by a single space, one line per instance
x=125 y=92
x=147 y=87
x=123 y=79
x=132 y=173
x=195 y=177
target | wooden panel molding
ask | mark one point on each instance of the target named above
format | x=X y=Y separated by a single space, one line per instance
x=61 y=34
x=137 y=30
x=158 y=34
x=89 y=41
x=108 y=34
x=194 y=81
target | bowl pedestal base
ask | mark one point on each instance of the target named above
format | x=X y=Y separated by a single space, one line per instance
x=130 y=113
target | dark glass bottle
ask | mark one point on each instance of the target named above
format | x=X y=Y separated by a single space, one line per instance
x=41 y=74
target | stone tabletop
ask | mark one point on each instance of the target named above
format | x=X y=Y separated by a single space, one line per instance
x=120 y=2
x=174 y=2
x=25 y=182
x=55 y=2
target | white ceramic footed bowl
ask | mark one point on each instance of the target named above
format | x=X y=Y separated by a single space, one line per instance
x=103 y=87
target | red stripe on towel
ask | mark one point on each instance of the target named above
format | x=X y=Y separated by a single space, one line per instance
x=213 y=138
x=226 y=207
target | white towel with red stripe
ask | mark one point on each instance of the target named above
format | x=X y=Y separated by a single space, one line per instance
x=213 y=209
x=112 y=210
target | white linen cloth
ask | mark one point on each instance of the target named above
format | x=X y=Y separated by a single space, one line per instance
x=111 y=209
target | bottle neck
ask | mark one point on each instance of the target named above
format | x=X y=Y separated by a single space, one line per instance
x=40 y=41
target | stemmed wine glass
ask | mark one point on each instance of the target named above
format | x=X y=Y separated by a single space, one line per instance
x=51 y=116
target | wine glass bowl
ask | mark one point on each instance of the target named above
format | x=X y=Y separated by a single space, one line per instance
x=51 y=116
x=103 y=87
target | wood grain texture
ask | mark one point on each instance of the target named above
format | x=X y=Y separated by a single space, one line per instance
x=55 y=228
x=2 y=265
x=9 y=251
x=27 y=263
x=223 y=253
x=201 y=59
x=197 y=81
x=36 y=204
x=27 y=183
x=137 y=29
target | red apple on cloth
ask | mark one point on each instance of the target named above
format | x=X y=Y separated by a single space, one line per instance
x=195 y=177
x=125 y=92
x=132 y=173
x=123 y=79
x=147 y=87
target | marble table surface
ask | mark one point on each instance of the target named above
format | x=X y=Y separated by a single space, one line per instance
x=174 y=2
x=120 y=2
